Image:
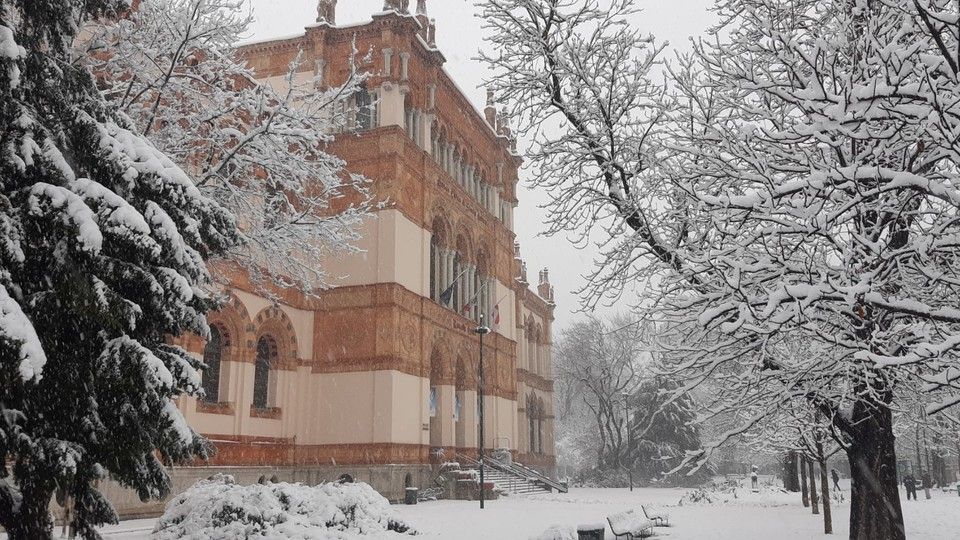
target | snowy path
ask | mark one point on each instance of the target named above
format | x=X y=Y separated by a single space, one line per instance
x=750 y=517
x=780 y=517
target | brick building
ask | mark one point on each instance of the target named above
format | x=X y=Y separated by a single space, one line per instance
x=375 y=377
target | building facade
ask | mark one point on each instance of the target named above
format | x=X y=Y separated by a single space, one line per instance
x=377 y=377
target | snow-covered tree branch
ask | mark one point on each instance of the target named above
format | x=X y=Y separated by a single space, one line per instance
x=258 y=148
x=103 y=248
x=797 y=185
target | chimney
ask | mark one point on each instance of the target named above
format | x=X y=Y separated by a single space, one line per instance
x=490 y=111
x=423 y=20
x=545 y=290
x=501 y=127
x=327 y=12
x=400 y=6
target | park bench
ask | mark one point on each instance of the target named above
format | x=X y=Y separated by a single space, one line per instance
x=630 y=525
x=660 y=519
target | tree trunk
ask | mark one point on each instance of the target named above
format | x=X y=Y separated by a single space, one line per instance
x=875 y=512
x=813 y=486
x=803 y=484
x=32 y=519
x=790 y=480
x=824 y=491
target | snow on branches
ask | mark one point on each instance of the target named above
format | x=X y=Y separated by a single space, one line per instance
x=795 y=185
x=258 y=148
x=103 y=241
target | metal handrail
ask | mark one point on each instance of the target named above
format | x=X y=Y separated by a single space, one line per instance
x=539 y=477
x=518 y=470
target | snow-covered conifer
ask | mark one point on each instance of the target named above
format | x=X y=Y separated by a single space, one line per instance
x=102 y=246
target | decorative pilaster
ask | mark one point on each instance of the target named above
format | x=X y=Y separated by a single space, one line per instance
x=404 y=66
x=387 y=61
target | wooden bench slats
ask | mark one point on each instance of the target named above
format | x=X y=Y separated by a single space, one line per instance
x=629 y=524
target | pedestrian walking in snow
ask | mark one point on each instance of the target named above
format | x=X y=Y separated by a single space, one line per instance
x=836 y=479
x=910 y=483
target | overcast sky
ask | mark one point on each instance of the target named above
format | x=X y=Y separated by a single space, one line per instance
x=459 y=37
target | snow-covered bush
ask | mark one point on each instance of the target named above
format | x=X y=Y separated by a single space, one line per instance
x=219 y=508
x=556 y=532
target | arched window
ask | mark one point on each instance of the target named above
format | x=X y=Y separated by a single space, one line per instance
x=458 y=293
x=531 y=424
x=538 y=338
x=266 y=357
x=438 y=281
x=434 y=267
x=540 y=415
x=531 y=347
x=212 y=353
x=437 y=408
x=482 y=286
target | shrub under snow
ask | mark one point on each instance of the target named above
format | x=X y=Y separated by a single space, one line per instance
x=219 y=508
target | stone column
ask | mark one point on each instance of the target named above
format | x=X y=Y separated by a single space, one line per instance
x=447 y=268
x=472 y=290
x=428 y=119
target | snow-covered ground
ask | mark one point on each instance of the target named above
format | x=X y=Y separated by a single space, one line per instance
x=764 y=516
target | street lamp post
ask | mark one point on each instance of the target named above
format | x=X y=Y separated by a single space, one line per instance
x=481 y=330
x=626 y=423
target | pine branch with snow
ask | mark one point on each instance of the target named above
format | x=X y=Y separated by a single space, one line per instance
x=103 y=243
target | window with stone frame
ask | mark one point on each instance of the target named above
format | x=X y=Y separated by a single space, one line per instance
x=263 y=372
x=212 y=356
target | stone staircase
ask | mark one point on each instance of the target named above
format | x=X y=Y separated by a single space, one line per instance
x=512 y=478
x=512 y=483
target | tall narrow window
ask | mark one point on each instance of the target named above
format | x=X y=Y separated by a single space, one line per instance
x=365 y=109
x=540 y=415
x=266 y=355
x=434 y=262
x=211 y=357
x=531 y=420
x=457 y=295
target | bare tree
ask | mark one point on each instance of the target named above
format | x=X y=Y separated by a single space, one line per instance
x=599 y=362
x=799 y=185
x=260 y=149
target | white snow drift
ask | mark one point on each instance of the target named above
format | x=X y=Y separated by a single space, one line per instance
x=219 y=508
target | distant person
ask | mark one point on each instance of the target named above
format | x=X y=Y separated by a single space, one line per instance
x=836 y=479
x=754 y=481
x=910 y=483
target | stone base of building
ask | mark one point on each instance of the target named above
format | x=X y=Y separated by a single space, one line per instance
x=389 y=480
